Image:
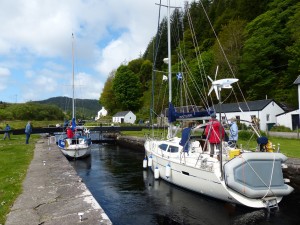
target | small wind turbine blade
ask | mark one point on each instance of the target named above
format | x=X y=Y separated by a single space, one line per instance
x=216 y=72
x=216 y=90
x=210 y=90
x=210 y=79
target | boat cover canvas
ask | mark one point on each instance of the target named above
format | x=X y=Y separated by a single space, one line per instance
x=185 y=136
x=173 y=115
x=257 y=175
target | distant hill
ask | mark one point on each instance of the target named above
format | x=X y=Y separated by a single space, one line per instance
x=86 y=108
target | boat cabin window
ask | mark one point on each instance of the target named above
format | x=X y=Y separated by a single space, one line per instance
x=173 y=149
x=163 y=147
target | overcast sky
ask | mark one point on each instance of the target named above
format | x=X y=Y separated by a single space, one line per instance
x=36 y=44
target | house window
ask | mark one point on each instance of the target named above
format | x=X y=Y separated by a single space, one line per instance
x=268 y=117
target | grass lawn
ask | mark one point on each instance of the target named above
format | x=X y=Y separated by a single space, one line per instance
x=15 y=157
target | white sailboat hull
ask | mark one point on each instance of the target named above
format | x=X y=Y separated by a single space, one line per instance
x=78 y=148
x=200 y=173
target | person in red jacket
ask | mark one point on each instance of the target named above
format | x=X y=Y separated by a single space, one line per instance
x=70 y=133
x=212 y=132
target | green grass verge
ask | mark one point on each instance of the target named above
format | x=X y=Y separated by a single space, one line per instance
x=15 y=157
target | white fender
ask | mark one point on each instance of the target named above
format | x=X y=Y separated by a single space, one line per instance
x=145 y=163
x=150 y=161
x=156 y=173
x=168 y=170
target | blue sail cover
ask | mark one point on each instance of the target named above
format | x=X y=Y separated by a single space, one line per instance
x=173 y=115
x=184 y=138
x=73 y=124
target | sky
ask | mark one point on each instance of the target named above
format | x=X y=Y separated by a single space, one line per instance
x=36 y=44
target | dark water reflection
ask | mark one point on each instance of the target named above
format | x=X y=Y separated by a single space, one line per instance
x=130 y=195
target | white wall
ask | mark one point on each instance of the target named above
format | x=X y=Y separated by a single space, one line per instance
x=286 y=119
x=271 y=109
x=130 y=118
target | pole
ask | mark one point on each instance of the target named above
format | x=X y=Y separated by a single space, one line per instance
x=73 y=103
x=170 y=133
x=221 y=138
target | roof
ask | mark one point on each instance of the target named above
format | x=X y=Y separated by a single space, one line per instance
x=257 y=105
x=297 y=81
x=121 y=114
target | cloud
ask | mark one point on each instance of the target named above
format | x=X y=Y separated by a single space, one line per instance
x=36 y=43
x=4 y=72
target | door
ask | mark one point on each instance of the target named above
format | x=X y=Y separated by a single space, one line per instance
x=295 y=121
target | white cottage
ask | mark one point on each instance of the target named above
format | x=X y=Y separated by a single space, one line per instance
x=101 y=113
x=291 y=119
x=263 y=110
x=124 y=117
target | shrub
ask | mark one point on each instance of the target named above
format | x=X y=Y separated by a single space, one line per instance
x=280 y=128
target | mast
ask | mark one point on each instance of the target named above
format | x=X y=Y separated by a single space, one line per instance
x=170 y=133
x=73 y=91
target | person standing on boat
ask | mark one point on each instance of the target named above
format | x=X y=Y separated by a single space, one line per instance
x=233 y=132
x=28 y=130
x=6 y=134
x=70 y=133
x=212 y=132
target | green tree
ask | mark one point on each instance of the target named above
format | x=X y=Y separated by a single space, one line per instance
x=108 y=98
x=127 y=89
x=232 y=39
x=263 y=56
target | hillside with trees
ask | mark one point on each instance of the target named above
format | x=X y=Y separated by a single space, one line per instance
x=260 y=38
x=57 y=108
x=30 y=111
x=84 y=108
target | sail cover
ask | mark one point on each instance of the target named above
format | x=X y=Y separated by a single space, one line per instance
x=73 y=124
x=185 y=136
x=173 y=115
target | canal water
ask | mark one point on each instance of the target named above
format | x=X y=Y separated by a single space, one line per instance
x=131 y=196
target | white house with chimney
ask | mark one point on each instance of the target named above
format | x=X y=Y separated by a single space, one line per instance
x=101 y=113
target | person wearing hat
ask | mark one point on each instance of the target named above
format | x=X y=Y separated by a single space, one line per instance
x=212 y=132
x=233 y=132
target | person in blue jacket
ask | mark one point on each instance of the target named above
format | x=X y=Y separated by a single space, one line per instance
x=6 y=134
x=233 y=132
x=28 y=130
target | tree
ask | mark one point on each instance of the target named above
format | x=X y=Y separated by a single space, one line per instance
x=264 y=54
x=127 y=89
x=232 y=39
x=108 y=98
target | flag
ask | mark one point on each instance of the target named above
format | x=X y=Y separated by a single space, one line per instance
x=179 y=76
x=165 y=77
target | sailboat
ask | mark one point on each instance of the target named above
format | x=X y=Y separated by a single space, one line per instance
x=78 y=142
x=238 y=176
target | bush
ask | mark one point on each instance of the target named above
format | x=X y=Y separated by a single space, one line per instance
x=280 y=128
